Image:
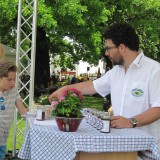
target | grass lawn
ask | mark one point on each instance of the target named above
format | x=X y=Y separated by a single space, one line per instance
x=89 y=102
x=20 y=137
x=93 y=102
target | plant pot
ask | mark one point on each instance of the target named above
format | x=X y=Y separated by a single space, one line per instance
x=68 y=124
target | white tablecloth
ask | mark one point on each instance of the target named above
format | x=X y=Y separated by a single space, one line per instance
x=46 y=142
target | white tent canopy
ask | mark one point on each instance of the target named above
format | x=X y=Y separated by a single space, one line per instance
x=10 y=54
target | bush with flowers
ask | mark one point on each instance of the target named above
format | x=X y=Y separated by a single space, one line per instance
x=69 y=104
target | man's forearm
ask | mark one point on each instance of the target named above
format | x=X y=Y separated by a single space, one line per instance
x=85 y=87
x=148 y=116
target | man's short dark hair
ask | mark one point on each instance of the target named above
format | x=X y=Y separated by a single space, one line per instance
x=123 y=33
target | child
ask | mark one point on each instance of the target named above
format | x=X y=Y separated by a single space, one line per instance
x=9 y=93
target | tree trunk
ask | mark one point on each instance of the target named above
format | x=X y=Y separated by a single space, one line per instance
x=42 y=68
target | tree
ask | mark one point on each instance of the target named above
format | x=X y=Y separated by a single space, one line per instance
x=74 y=28
x=144 y=17
x=78 y=20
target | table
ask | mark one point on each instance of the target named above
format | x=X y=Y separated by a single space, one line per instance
x=46 y=142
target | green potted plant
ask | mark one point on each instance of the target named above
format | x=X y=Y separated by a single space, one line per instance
x=67 y=110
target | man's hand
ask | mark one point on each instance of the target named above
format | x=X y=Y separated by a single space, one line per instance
x=120 y=122
x=57 y=93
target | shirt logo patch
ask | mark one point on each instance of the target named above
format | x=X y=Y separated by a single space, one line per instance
x=137 y=92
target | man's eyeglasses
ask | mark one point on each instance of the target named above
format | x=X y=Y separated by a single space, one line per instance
x=108 y=48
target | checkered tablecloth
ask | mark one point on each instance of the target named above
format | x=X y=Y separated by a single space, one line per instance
x=48 y=143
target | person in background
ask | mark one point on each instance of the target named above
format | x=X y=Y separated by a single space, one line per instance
x=53 y=78
x=11 y=98
x=74 y=80
x=133 y=82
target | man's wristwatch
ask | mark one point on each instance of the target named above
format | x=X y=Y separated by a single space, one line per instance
x=133 y=122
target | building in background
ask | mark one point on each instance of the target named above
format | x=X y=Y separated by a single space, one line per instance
x=83 y=69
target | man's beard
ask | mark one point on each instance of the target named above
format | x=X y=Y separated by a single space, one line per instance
x=119 y=61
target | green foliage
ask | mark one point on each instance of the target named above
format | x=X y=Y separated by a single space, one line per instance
x=144 y=17
x=43 y=100
x=79 y=21
x=82 y=22
x=45 y=16
x=25 y=61
x=8 y=10
x=69 y=104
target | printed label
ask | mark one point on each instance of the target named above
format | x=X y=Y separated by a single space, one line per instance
x=39 y=114
x=106 y=126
